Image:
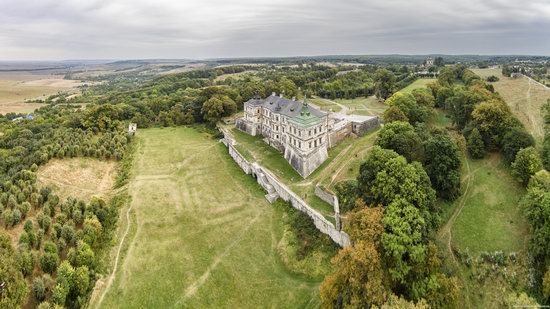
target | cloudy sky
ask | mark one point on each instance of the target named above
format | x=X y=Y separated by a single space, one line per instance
x=130 y=29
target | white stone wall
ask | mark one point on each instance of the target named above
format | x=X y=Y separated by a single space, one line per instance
x=274 y=187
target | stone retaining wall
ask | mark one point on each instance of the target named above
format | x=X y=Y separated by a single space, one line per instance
x=276 y=189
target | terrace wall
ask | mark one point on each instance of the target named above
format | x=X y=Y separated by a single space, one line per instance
x=276 y=188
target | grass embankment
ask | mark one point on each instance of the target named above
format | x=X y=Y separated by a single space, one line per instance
x=525 y=98
x=204 y=234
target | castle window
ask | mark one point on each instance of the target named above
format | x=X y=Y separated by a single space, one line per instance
x=300 y=144
x=309 y=144
x=321 y=140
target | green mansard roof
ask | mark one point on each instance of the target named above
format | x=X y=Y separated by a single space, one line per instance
x=305 y=118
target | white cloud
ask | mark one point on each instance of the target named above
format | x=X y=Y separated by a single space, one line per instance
x=59 y=29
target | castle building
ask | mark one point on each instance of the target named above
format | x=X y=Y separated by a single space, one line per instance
x=300 y=131
x=295 y=128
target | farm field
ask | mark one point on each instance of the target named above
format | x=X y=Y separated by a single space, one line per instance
x=419 y=83
x=15 y=88
x=524 y=96
x=202 y=234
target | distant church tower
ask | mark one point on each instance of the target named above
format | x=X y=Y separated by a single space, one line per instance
x=429 y=61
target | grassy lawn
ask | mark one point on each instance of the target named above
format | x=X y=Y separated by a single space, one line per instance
x=346 y=167
x=265 y=155
x=419 y=83
x=491 y=219
x=205 y=237
x=524 y=97
x=325 y=105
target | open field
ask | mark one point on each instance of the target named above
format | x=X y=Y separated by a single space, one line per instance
x=202 y=236
x=325 y=104
x=524 y=96
x=81 y=178
x=419 y=83
x=16 y=87
x=486 y=218
x=491 y=219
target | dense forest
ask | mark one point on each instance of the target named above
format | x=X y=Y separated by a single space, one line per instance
x=393 y=214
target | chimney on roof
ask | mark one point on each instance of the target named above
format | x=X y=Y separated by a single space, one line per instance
x=293 y=98
x=281 y=95
x=273 y=93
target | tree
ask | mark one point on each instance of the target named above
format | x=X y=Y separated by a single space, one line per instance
x=402 y=138
x=81 y=280
x=423 y=97
x=395 y=302
x=526 y=164
x=217 y=107
x=85 y=255
x=385 y=177
x=15 y=287
x=475 y=145
x=408 y=105
x=514 y=140
x=48 y=262
x=520 y=300
x=403 y=239
x=346 y=191
x=394 y=113
x=493 y=120
x=359 y=279
x=536 y=203
x=39 y=289
x=384 y=83
x=546 y=151
x=59 y=294
x=443 y=166
x=546 y=284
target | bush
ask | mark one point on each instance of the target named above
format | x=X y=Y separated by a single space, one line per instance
x=492 y=79
x=39 y=289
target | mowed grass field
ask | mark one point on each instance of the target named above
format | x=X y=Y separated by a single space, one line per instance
x=491 y=219
x=419 y=83
x=203 y=235
x=524 y=96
